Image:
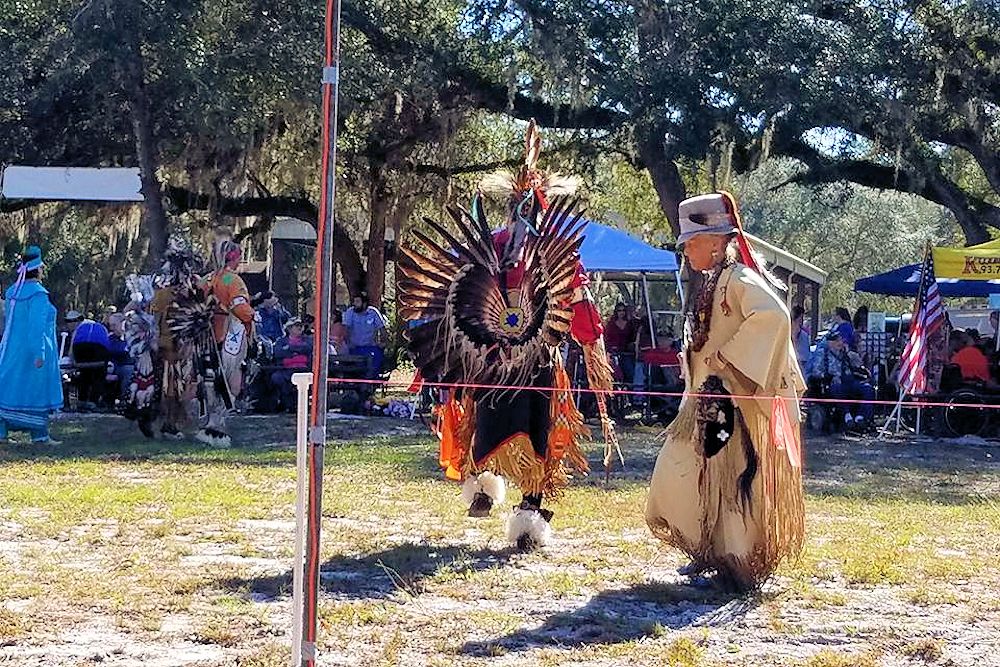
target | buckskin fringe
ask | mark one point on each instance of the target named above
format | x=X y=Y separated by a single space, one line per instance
x=776 y=507
x=600 y=378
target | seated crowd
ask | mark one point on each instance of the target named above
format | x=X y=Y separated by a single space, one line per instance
x=98 y=365
x=642 y=364
x=839 y=366
x=974 y=357
x=835 y=369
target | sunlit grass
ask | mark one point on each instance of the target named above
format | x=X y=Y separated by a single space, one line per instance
x=148 y=532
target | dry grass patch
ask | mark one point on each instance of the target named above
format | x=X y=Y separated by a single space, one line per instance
x=12 y=625
x=270 y=655
x=338 y=615
x=828 y=658
x=683 y=652
x=927 y=649
x=219 y=630
x=924 y=596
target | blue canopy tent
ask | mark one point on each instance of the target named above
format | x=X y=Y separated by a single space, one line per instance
x=620 y=257
x=614 y=252
x=904 y=280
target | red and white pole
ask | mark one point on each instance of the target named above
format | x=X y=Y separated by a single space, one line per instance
x=324 y=282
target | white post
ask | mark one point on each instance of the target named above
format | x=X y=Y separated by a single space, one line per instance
x=302 y=382
x=649 y=311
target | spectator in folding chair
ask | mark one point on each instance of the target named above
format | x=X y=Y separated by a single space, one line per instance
x=831 y=367
x=122 y=363
x=293 y=352
x=92 y=346
x=338 y=334
x=620 y=332
x=663 y=363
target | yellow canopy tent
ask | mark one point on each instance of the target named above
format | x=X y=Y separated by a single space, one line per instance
x=978 y=262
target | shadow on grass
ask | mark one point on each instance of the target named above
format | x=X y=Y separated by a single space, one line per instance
x=936 y=471
x=402 y=569
x=619 y=616
x=258 y=441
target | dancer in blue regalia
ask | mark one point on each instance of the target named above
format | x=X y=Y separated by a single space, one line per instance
x=30 y=384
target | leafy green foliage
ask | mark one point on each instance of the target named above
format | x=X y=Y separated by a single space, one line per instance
x=847 y=230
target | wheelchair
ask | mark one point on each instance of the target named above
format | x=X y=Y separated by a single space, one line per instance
x=661 y=409
x=821 y=415
x=967 y=406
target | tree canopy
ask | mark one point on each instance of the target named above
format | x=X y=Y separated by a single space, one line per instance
x=217 y=101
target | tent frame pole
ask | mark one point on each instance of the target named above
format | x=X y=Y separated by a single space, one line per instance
x=649 y=309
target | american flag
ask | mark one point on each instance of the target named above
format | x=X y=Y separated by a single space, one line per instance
x=928 y=316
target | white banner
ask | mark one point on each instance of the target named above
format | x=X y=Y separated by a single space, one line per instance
x=71 y=183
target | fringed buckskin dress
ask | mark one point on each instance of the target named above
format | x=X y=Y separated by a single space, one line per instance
x=727 y=486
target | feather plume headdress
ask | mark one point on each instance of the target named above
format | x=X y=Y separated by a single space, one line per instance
x=180 y=265
x=529 y=182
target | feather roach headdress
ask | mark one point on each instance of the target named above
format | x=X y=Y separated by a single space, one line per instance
x=528 y=191
x=529 y=186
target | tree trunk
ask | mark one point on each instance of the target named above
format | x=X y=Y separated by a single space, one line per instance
x=379 y=205
x=972 y=222
x=667 y=180
x=348 y=259
x=154 y=216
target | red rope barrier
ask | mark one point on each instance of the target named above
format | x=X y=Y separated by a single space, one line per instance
x=663 y=394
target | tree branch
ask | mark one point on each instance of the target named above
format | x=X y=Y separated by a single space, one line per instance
x=485 y=92
x=971 y=213
x=184 y=200
x=446 y=172
x=15 y=205
x=344 y=251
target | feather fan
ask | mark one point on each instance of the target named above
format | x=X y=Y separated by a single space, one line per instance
x=475 y=330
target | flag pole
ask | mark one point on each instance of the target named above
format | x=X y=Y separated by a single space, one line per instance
x=324 y=275
x=897 y=411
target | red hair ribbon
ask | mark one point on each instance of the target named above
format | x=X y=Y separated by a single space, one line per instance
x=746 y=252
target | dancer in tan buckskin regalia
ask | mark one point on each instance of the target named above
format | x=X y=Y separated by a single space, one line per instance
x=727 y=486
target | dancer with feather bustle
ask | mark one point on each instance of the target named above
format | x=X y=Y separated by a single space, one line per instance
x=216 y=320
x=176 y=288
x=497 y=305
x=727 y=486
x=141 y=402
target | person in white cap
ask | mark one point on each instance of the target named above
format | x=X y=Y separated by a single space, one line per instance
x=727 y=486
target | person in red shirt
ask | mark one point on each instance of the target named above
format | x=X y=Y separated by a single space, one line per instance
x=620 y=333
x=970 y=359
x=663 y=354
x=294 y=352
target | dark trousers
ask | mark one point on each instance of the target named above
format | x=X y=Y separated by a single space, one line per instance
x=282 y=381
x=90 y=382
x=854 y=389
x=376 y=356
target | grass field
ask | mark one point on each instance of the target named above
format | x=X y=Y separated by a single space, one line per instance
x=119 y=551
